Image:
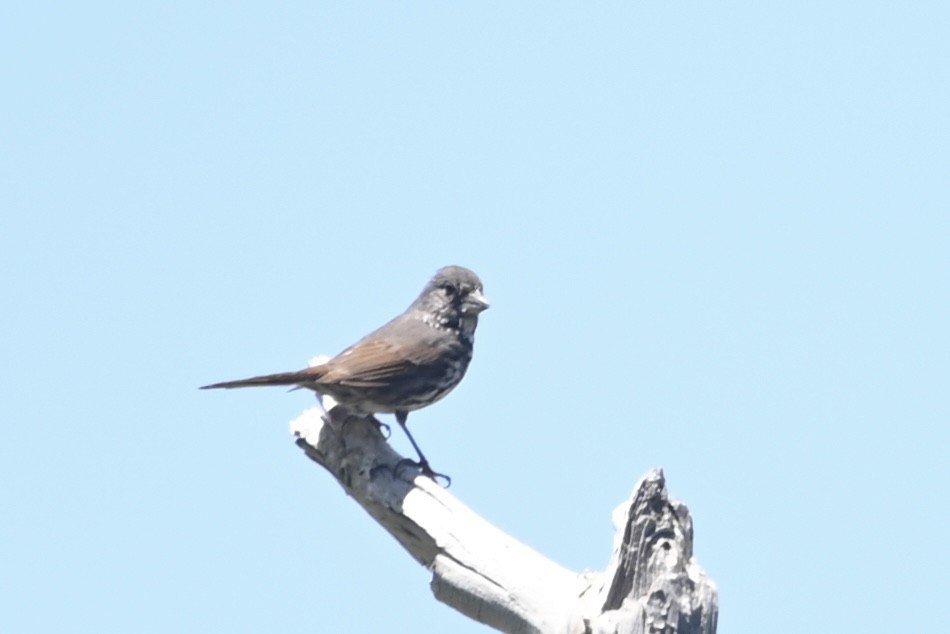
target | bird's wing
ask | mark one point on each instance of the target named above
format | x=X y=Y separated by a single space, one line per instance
x=373 y=363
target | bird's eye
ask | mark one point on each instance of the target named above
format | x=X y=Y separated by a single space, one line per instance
x=450 y=290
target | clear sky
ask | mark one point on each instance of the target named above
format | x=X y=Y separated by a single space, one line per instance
x=715 y=235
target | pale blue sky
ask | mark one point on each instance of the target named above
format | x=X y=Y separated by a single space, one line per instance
x=715 y=236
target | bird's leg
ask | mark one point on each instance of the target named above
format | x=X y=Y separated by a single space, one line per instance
x=423 y=464
x=346 y=417
x=381 y=427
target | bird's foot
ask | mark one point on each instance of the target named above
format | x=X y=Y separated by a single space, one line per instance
x=439 y=478
x=384 y=430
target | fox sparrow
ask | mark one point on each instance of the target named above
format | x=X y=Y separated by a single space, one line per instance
x=407 y=364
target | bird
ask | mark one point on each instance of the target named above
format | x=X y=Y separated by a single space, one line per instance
x=409 y=363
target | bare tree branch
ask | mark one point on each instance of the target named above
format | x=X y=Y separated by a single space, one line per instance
x=652 y=584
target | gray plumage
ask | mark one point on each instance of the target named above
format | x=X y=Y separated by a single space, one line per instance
x=409 y=363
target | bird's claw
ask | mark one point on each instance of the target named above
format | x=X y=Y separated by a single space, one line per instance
x=425 y=470
x=384 y=430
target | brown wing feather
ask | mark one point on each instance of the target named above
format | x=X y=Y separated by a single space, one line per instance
x=372 y=363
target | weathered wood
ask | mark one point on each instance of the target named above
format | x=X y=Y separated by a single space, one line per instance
x=653 y=582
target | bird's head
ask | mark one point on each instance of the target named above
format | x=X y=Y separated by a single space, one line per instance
x=453 y=299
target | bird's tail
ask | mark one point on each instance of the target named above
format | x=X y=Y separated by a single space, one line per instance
x=282 y=378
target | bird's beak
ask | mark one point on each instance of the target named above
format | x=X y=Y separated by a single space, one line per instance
x=476 y=302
